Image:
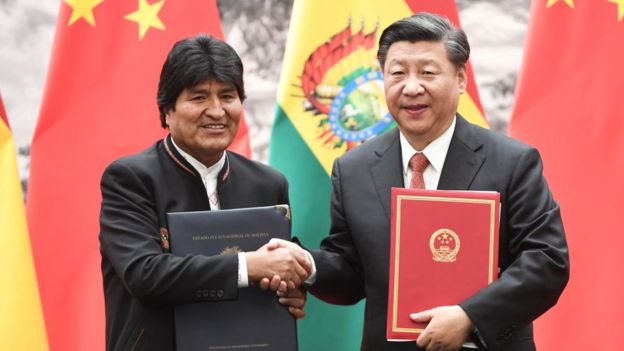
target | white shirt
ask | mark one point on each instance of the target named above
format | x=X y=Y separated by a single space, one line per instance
x=436 y=154
x=209 y=177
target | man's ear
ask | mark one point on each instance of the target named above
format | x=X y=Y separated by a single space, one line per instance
x=462 y=78
x=168 y=115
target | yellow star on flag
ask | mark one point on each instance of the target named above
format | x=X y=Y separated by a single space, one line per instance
x=82 y=9
x=552 y=2
x=147 y=16
x=620 y=4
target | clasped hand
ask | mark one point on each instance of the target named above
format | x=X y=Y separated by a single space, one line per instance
x=278 y=259
x=281 y=266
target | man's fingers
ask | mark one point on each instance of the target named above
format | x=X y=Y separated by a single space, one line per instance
x=422 y=317
x=276 y=243
x=298 y=293
x=448 y=327
x=296 y=279
x=301 y=272
x=288 y=262
x=291 y=285
x=292 y=301
x=423 y=340
x=264 y=284
x=303 y=259
x=299 y=253
x=283 y=287
x=275 y=282
x=271 y=245
x=295 y=300
x=296 y=312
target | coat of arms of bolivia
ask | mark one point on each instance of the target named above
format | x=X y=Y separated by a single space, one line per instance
x=342 y=86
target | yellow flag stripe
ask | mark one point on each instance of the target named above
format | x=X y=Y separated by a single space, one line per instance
x=21 y=317
x=469 y=110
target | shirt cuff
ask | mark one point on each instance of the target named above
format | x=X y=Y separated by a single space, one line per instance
x=312 y=278
x=243 y=277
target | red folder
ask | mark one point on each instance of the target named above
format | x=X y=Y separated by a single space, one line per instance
x=443 y=249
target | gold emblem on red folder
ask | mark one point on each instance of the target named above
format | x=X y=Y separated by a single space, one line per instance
x=444 y=244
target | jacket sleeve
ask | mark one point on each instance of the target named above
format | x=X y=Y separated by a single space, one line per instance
x=130 y=241
x=538 y=267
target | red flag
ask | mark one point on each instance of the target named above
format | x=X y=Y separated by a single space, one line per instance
x=99 y=104
x=569 y=105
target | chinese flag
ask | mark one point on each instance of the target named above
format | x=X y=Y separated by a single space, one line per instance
x=99 y=104
x=570 y=106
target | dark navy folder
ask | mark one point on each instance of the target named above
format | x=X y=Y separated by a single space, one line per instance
x=256 y=321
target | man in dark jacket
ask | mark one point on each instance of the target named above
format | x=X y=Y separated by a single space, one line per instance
x=200 y=98
x=424 y=59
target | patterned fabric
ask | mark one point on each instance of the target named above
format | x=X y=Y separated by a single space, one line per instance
x=418 y=163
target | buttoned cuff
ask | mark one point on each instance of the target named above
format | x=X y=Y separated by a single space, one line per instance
x=312 y=278
x=243 y=277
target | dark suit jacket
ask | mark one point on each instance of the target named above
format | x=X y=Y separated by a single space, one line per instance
x=353 y=261
x=142 y=281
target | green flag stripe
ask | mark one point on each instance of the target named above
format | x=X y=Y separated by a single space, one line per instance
x=325 y=327
x=310 y=185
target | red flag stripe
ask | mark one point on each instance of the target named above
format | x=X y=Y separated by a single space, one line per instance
x=3 y=115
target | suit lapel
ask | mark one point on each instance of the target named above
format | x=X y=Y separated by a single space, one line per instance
x=462 y=160
x=385 y=167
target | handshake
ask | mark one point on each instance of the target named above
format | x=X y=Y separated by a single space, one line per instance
x=281 y=266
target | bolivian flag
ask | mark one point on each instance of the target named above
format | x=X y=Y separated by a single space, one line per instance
x=330 y=100
x=21 y=317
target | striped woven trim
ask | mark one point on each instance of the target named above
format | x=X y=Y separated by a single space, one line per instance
x=172 y=155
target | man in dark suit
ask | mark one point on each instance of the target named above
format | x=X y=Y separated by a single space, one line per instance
x=200 y=101
x=423 y=58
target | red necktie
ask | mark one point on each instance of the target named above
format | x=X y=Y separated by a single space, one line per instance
x=418 y=163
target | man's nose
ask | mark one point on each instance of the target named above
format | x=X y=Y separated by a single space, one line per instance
x=214 y=108
x=413 y=86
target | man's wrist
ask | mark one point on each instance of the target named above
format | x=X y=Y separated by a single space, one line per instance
x=312 y=278
x=243 y=274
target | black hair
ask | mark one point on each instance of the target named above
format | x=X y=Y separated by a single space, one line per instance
x=193 y=61
x=424 y=26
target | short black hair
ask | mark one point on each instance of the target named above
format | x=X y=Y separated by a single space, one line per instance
x=193 y=61
x=425 y=26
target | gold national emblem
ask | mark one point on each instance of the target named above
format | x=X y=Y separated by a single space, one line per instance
x=444 y=244
x=230 y=250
